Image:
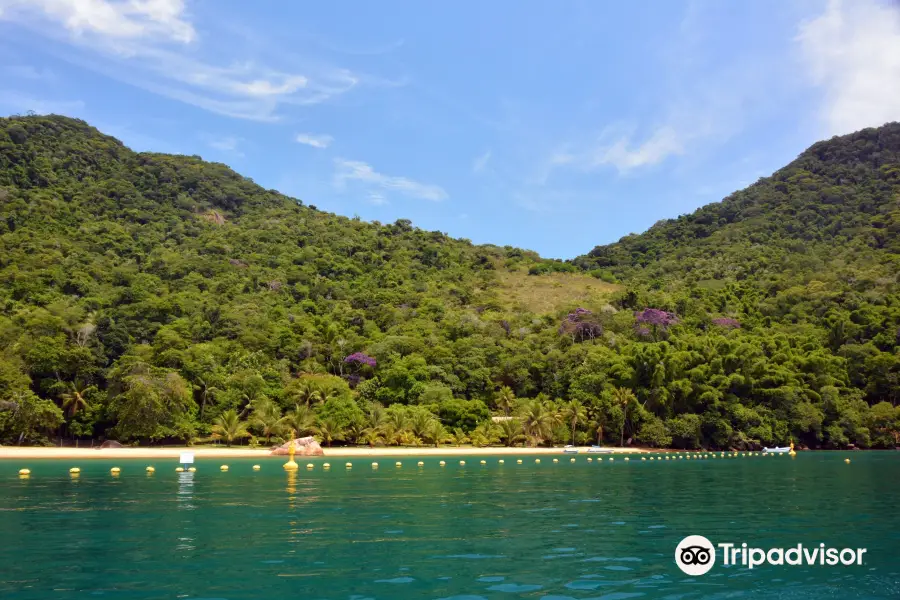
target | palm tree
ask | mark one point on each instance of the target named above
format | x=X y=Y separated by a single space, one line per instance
x=485 y=434
x=330 y=430
x=371 y=436
x=267 y=418
x=229 y=426
x=505 y=399
x=435 y=432
x=458 y=437
x=74 y=399
x=419 y=422
x=511 y=431
x=301 y=419
x=207 y=389
x=538 y=420
x=573 y=413
x=623 y=397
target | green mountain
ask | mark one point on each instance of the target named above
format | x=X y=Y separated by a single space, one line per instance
x=148 y=298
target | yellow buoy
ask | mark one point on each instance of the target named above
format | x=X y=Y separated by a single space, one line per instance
x=115 y=471
x=555 y=460
x=349 y=465
x=667 y=458
x=310 y=465
x=192 y=469
x=398 y=464
x=537 y=461
x=643 y=458
x=223 y=468
x=74 y=470
x=442 y=463
x=847 y=460
x=290 y=465
x=24 y=472
x=150 y=469
x=590 y=459
x=626 y=458
x=652 y=458
x=462 y=462
x=256 y=467
x=374 y=465
x=500 y=461
x=519 y=461
x=421 y=463
x=571 y=460
x=179 y=469
x=326 y=466
x=484 y=462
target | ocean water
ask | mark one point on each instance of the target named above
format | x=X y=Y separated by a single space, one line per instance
x=549 y=531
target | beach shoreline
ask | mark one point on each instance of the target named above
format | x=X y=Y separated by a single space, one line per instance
x=34 y=452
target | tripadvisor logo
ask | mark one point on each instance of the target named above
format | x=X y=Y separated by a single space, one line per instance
x=695 y=555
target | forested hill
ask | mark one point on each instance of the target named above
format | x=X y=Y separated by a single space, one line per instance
x=832 y=211
x=156 y=298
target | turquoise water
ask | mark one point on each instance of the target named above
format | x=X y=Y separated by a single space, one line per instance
x=604 y=530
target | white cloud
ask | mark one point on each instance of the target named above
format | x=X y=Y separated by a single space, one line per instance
x=153 y=44
x=481 y=162
x=226 y=144
x=124 y=19
x=623 y=154
x=352 y=170
x=316 y=141
x=852 y=51
x=377 y=198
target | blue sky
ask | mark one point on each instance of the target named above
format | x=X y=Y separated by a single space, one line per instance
x=554 y=126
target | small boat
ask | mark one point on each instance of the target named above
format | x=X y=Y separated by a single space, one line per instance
x=570 y=450
x=781 y=450
x=600 y=449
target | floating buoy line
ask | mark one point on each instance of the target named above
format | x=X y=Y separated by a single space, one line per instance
x=75 y=472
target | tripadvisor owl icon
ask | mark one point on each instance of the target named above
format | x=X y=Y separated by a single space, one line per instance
x=695 y=555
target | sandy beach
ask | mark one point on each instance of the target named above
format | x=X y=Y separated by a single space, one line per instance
x=22 y=452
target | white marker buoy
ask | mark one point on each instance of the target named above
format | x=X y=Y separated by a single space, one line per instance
x=442 y=463
x=256 y=467
x=179 y=469
x=398 y=464
x=349 y=465
x=484 y=462
x=115 y=471
x=421 y=463
x=150 y=469
x=462 y=463
x=500 y=461
x=223 y=468
x=326 y=466
x=309 y=466
x=571 y=460
x=74 y=470
x=25 y=472
x=192 y=469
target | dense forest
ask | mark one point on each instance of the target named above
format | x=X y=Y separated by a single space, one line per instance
x=150 y=298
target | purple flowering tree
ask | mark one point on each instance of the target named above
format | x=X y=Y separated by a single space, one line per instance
x=581 y=325
x=727 y=323
x=358 y=362
x=654 y=322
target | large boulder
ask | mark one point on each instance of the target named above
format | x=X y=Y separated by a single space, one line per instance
x=305 y=446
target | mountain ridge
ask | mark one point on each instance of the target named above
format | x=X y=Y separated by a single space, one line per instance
x=148 y=297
